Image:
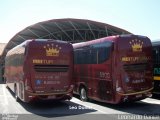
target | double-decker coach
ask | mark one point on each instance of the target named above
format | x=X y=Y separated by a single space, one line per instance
x=40 y=69
x=113 y=69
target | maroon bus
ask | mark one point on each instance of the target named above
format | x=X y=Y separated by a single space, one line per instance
x=113 y=69
x=40 y=69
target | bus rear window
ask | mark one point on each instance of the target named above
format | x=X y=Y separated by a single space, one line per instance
x=93 y=54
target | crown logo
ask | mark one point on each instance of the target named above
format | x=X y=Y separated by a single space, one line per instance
x=52 y=50
x=136 y=45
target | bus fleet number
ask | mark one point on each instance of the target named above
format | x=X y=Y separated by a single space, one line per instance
x=104 y=75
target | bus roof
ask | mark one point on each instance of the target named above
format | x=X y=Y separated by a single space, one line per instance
x=39 y=40
x=109 y=38
x=156 y=43
x=82 y=44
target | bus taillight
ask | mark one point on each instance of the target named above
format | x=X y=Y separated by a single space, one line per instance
x=71 y=87
x=27 y=86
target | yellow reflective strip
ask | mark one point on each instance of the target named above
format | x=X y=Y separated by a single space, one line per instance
x=48 y=93
x=136 y=92
x=156 y=77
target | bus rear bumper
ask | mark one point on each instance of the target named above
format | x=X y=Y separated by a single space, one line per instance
x=136 y=96
x=29 y=97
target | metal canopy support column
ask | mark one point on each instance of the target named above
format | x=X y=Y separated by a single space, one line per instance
x=106 y=30
x=48 y=31
x=21 y=37
x=76 y=30
x=91 y=30
x=6 y=50
x=15 y=44
x=73 y=35
x=63 y=31
x=34 y=33
x=113 y=33
x=85 y=36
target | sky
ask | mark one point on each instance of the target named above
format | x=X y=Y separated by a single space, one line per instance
x=139 y=17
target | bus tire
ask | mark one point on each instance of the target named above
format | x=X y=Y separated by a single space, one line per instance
x=83 y=94
x=7 y=86
x=16 y=94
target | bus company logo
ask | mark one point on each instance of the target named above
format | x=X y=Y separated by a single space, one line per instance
x=38 y=82
x=136 y=45
x=52 y=50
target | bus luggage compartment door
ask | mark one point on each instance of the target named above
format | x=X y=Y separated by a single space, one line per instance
x=105 y=90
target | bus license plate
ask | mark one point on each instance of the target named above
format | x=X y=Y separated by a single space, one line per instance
x=138 y=96
x=51 y=97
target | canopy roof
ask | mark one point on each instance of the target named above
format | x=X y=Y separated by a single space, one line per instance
x=71 y=30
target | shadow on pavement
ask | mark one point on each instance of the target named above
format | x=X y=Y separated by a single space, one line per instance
x=51 y=108
x=55 y=108
x=156 y=96
x=138 y=107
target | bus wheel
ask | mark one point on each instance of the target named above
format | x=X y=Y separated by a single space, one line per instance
x=83 y=94
x=16 y=94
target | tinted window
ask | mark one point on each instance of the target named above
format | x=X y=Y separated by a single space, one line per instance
x=15 y=57
x=93 y=54
x=156 y=55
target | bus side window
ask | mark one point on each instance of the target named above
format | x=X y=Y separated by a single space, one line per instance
x=102 y=55
x=84 y=56
x=93 y=56
x=156 y=55
x=103 y=51
x=78 y=57
x=90 y=56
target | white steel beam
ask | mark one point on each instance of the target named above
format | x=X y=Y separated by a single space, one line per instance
x=34 y=33
x=63 y=31
x=77 y=30
x=91 y=30
x=48 y=32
